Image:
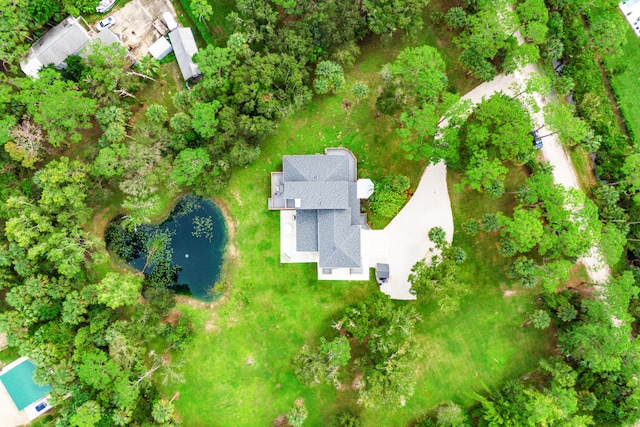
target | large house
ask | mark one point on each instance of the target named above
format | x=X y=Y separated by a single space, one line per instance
x=318 y=197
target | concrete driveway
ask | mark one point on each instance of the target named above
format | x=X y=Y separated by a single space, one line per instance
x=405 y=240
x=134 y=24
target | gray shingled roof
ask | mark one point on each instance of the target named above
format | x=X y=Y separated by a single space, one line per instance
x=328 y=215
x=354 y=205
x=338 y=240
x=382 y=271
x=318 y=195
x=184 y=46
x=307 y=231
x=315 y=168
x=66 y=38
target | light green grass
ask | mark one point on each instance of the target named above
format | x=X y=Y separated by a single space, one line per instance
x=271 y=310
x=9 y=354
x=626 y=84
x=218 y=26
x=582 y=165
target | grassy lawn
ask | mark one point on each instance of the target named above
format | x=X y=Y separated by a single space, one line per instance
x=484 y=343
x=270 y=310
x=218 y=25
x=626 y=82
x=582 y=165
x=8 y=355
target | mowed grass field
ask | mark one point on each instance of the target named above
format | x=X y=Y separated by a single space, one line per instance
x=271 y=310
x=626 y=82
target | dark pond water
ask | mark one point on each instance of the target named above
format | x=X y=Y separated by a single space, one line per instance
x=193 y=239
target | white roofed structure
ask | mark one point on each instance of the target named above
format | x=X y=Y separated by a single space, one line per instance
x=364 y=188
x=184 y=46
x=631 y=11
x=160 y=48
x=167 y=17
x=66 y=38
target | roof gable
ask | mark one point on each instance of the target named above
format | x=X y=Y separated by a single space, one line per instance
x=338 y=240
x=307 y=231
x=318 y=195
x=315 y=168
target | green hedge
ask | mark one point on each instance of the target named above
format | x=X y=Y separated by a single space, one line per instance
x=202 y=29
x=582 y=65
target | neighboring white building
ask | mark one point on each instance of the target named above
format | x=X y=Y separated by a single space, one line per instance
x=168 y=19
x=67 y=38
x=160 y=48
x=631 y=11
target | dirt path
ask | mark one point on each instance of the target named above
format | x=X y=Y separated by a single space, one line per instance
x=563 y=170
x=563 y=173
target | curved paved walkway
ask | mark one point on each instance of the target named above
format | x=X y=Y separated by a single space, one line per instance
x=404 y=241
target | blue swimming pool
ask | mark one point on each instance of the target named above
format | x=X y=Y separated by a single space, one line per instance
x=19 y=383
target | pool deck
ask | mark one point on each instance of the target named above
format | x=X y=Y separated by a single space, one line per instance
x=10 y=415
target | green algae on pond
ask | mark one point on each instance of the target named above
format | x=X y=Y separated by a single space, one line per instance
x=185 y=251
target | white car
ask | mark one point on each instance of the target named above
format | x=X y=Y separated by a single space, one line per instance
x=105 y=5
x=105 y=23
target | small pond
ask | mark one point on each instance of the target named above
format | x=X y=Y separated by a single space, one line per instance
x=184 y=252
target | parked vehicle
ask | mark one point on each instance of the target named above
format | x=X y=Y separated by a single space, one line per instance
x=537 y=141
x=105 y=23
x=105 y=6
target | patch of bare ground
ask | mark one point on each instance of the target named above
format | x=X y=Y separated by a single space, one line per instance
x=509 y=293
x=232 y=252
x=3 y=341
x=281 y=421
x=236 y=196
x=356 y=383
x=578 y=284
x=172 y=318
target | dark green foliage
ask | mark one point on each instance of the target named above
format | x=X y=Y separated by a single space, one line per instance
x=524 y=270
x=600 y=342
x=122 y=242
x=540 y=319
x=490 y=222
x=507 y=247
x=437 y=235
x=437 y=17
x=346 y=419
x=161 y=301
x=456 y=18
x=200 y=26
x=567 y=312
x=74 y=69
x=380 y=334
x=496 y=132
x=329 y=78
x=471 y=227
x=437 y=278
x=322 y=365
x=179 y=334
x=390 y=195
x=163 y=275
